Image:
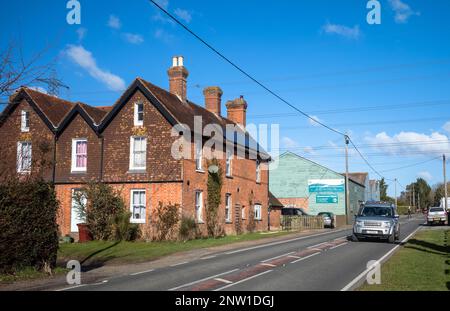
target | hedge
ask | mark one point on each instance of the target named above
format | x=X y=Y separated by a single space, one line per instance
x=28 y=228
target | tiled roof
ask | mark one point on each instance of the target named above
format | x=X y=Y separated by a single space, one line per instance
x=360 y=178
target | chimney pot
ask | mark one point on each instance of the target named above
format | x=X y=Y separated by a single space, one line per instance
x=178 y=78
x=213 y=99
x=237 y=110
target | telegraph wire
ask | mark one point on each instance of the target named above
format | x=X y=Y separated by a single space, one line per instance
x=411 y=165
x=244 y=72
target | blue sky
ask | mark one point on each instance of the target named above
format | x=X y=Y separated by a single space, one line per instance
x=320 y=55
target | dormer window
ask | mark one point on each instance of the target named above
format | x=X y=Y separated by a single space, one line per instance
x=138 y=114
x=25 y=121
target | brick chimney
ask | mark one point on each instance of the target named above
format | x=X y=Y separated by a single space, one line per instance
x=237 y=110
x=213 y=99
x=177 y=78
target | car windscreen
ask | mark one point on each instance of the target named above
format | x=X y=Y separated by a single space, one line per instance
x=436 y=209
x=383 y=211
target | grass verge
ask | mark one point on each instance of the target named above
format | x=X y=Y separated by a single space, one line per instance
x=28 y=273
x=96 y=252
x=423 y=264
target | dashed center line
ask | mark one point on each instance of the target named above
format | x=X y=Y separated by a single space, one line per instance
x=179 y=264
x=276 y=257
x=243 y=280
x=142 y=272
x=339 y=245
x=267 y=264
x=223 y=280
x=306 y=257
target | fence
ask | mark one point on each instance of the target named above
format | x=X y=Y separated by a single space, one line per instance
x=299 y=223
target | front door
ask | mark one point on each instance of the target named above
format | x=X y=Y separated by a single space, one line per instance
x=74 y=214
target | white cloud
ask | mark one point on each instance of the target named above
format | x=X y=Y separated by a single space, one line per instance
x=411 y=143
x=341 y=30
x=39 y=89
x=114 y=22
x=163 y=35
x=133 y=38
x=425 y=175
x=447 y=127
x=309 y=150
x=85 y=60
x=163 y=3
x=81 y=32
x=314 y=121
x=183 y=14
x=287 y=142
x=402 y=11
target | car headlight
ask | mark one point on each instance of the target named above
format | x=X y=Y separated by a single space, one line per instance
x=387 y=224
x=359 y=223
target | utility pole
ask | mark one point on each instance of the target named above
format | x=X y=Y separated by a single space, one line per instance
x=418 y=199
x=395 y=187
x=414 y=197
x=347 y=190
x=445 y=184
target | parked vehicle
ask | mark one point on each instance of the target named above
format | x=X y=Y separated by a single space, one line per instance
x=377 y=220
x=443 y=203
x=329 y=219
x=436 y=215
x=293 y=211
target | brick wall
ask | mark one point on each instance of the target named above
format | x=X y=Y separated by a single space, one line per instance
x=11 y=134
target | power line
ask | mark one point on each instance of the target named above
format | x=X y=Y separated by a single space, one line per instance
x=365 y=160
x=244 y=72
x=411 y=165
x=358 y=109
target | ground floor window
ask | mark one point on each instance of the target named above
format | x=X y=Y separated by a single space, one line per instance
x=228 y=207
x=198 y=206
x=137 y=206
x=258 y=215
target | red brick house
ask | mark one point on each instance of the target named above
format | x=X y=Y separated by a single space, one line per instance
x=129 y=145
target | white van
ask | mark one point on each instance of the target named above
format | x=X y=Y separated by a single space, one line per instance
x=443 y=202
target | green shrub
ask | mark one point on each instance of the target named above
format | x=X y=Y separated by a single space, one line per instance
x=104 y=210
x=28 y=228
x=188 y=229
x=167 y=218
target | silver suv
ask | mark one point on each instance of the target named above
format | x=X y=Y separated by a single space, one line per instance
x=377 y=220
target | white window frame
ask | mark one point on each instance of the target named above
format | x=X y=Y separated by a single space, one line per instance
x=25 y=121
x=228 y=206
x=198 y=156
x=20 y=169
x=132 y=204
x=198 y=206
x=138 y=122
x=258 y=171
x=229 y=164
x=243 y=216
x=258 y=211
x=132 y=166
x=74 y=167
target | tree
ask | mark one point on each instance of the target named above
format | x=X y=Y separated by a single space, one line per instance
x=438 y=193
x=383 y=191
x=422 y=193
x=16 y=71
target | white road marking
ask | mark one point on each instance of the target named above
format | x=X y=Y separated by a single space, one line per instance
x=276 y=257
x=303 y=258
x=208 y=257
x=205 y=279
x=379 y=261
x=223 y=281
x=180 y=263
x=285 y=241
x=142 y=272
x=296 y=257
x=339 y=245
x=267 y=264
x=72 y=287
x=243 y=280
x=314 y=246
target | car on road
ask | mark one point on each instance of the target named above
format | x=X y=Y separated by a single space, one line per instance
x=436 y=215
x=377 y=220
x=329 y=220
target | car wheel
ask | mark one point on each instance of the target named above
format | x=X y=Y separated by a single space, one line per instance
x=354 y=238
x=391 y=238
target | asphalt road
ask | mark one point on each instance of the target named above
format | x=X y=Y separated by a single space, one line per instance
x=325 y=261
